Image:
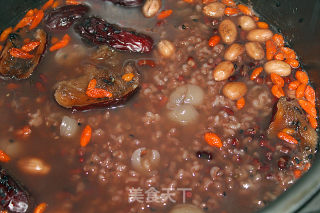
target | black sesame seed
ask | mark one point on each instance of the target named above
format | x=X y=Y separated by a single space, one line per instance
x=204 y=155
x=235 y=66
x=13 y=36
x=298 y=109
x=109 y=81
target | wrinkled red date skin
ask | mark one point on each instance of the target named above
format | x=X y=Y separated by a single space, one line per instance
x=127 y=3
x=13 y=197
x=62 y=18
x=97 y=31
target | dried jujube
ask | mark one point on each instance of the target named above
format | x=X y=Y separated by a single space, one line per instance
x=63 y=17
x=13 y=197
x=127 y=3
x=73 y=93
x=97 y=31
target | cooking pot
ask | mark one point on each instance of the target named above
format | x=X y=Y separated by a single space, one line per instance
x=299 y=22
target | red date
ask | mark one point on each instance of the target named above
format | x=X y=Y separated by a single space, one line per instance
x=13 y=197
x=127 y=3
x=97 y=31
x=15 y=67
x=63 y=17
